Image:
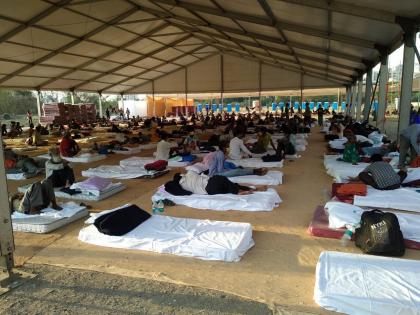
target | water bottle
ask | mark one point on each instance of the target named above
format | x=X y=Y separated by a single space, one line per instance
x=345 y=239
x=160 y=206
x=155 y=207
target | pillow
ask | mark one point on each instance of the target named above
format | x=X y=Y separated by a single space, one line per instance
x=121 y=221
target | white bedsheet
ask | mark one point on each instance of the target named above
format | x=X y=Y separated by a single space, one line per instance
x=342 y=171
x=128 y=150
x=202 y=239
x=115 y=171
x=255 y=163
x=137 y=161
x=341 y=214
x=258 y=201
x=271 y=178
x=366 y=285
x=400 y=199
x=81 y=158
x=69 y=209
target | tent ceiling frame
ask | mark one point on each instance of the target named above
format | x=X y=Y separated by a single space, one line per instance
x=253 y=35
x=287 y=26
x=252 y=54
x=170 y=72
x=345 y=8
x=267 y=9
x=69 y=45
x=54 y=7
x=150 y=54
x=138 y=76
x=282 y=51
x=108 y=53
x=277 y=59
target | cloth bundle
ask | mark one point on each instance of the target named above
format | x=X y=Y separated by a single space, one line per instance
x=121 y=221
x=159 y=165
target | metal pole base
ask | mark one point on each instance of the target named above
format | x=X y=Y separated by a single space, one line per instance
x=13 y=279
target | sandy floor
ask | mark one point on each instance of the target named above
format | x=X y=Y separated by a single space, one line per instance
x=279 y=270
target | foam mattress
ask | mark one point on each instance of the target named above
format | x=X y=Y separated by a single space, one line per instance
x=82 y=158
x=85 y=196
x=407 y=199
x=202 y=239
x=136 y=161
x=365 y=285
x=258 y=201
x=49 y=220
x=271 y=178
x=255 y=163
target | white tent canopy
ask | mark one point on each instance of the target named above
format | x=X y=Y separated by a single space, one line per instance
x=168 y=46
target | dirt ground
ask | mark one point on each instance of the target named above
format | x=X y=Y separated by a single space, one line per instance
x=278 y=271
x=58 y=290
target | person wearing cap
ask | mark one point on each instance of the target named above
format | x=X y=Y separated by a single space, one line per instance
x=57 y=170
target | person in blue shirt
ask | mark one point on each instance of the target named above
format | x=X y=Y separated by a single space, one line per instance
x=409 y=141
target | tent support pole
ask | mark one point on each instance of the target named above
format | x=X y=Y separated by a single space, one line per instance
x=100 y=104
x=359 y=99
x=38 y=105
x=368 y=94
x=383 y=80
x=407 y=76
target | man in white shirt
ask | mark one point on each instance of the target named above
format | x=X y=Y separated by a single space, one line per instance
x=163 y=149
x=237 y=148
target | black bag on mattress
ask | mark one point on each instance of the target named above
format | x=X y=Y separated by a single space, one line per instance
x=121 y=221
x=380 y=234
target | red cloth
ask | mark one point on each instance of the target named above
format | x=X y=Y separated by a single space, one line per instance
x=158 y=165
x=355 y=189
x=415 y=162
x=9 y=163
x=67 y=147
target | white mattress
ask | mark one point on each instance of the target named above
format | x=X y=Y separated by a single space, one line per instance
x=258 y=201
x=115 y=171
x=22 y=175
x=366 y=285
x=342 y=214
x=85 y=196
x=128 y=151
x=48 y=221
x=82 y=158
x=255 y=163
x=202 y=239
x=400 y=199
x=271 y=178
x=342 y=171
x=148 y=146
x=137 y=161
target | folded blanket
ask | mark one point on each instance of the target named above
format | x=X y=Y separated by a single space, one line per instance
x=93 y=183
x=258 y=201
x=116 y=172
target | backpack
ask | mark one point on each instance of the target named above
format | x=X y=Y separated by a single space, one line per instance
x=380 y=234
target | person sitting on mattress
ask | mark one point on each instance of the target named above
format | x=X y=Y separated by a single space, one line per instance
x=191 y=143
x=237 y=148
x=264 y=139
x=57 y=170
x=38 y=196
x=164 y=148
x=351 y=153
x=193 y=183
x=68 y=147
x=216 y=165
x=37 y=137
x=381 y=175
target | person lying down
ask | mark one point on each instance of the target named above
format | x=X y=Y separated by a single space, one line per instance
x=193 y=183
x=40 y=195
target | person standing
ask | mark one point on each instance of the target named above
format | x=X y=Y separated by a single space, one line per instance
x=409 y=141
x=128 y=113
x=29 y=116
x=320 y=113
x=108 y=114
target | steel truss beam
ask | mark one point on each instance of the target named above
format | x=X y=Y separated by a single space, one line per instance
x=286 y=26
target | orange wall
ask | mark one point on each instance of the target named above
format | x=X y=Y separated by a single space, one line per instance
x=160 y=105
